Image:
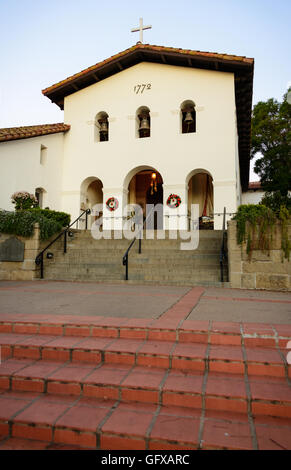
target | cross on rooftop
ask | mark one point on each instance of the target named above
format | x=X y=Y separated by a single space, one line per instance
x=140 y=29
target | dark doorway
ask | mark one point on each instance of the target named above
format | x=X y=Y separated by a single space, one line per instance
x=156 y=197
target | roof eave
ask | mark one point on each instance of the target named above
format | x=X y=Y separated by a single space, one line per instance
x=30 y=134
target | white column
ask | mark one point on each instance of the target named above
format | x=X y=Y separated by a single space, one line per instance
x=113 y=220
x=224 y=195
x=176 y=218
x=71 y=204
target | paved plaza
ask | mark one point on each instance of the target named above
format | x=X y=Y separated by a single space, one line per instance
x=142 y=301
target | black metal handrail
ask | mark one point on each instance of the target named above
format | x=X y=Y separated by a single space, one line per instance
x=125 y=256
x=223 y=249
x=39 y=258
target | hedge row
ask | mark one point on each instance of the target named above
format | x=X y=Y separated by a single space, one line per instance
x=22 y=222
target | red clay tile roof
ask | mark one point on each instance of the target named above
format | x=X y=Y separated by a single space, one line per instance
x=255 y=185
x=152 y=48
x=24 y=132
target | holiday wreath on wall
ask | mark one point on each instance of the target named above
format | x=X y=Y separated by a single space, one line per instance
x=173 y=201
x=112 y=204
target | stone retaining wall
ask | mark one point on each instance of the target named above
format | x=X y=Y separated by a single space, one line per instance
x=25 y=270
x=265 y=270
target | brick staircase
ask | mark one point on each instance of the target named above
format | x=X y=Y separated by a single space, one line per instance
x=69 y=382
x=161 y=261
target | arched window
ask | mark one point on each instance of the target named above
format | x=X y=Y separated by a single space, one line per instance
x=43 y=155
x=188 y=117
x=91 y=193
x=39 y=194
x=143 y=122
x=101 y=127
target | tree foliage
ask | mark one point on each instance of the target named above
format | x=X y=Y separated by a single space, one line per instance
x=271 y=137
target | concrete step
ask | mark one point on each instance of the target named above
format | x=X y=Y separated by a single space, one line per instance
x=88 y=258
x=159 y=279
x=133 y=253
x=150 y=249
x=161 y=260
x=160 y=282
x=168 y=235
x=123 y=244
x=142 y=269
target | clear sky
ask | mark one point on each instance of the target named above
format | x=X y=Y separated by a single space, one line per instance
x=45 y=41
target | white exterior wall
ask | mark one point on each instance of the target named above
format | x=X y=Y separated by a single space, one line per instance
x=252 y=197
x=213 y=147
x=21 y=170
x=238 y=183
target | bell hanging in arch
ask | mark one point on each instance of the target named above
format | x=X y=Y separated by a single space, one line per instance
x=103 y=129
x=144 y=124
x=104 y=126
x=188 y=117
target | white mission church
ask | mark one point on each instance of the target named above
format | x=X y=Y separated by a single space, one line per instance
x=140 y=126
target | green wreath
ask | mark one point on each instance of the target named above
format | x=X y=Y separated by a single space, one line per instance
x=112 y=204
x=173 y=201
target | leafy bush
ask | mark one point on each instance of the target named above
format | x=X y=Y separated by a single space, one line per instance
x=255 y=221
x=255 y=226
x=60 y=217
x=284 y=216
x=22 y=223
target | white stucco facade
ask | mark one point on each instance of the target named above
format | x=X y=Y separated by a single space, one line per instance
x=74 y=156
x=28 y=164
x=252 y=197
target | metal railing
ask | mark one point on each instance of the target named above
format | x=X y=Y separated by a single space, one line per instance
x=39 y=260
x=138 y=235
x=223 y=258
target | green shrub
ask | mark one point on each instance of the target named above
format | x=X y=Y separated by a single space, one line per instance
x=22 y=223
x=60 y=217
x=255 y=226
x=284 y=217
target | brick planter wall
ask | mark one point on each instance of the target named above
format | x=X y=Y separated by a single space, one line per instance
x=264 y=270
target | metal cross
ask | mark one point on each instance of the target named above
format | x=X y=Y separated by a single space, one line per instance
x=140 y=29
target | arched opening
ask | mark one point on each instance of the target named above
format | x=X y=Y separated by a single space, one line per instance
x=145 y=187
x=91 y=194
x=200 y=191
x=188 y=117
x=143 y=122
x=101 y=127
x=40 y=196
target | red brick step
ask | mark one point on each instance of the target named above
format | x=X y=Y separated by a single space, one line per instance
x=253 y=334
x=50 y=421
x=190 y=389
x=175 y=355
x=85 y=382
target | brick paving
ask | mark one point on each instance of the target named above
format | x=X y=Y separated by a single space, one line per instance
x=159 y=381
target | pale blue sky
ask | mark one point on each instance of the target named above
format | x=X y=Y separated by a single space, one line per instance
x=43 y=42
